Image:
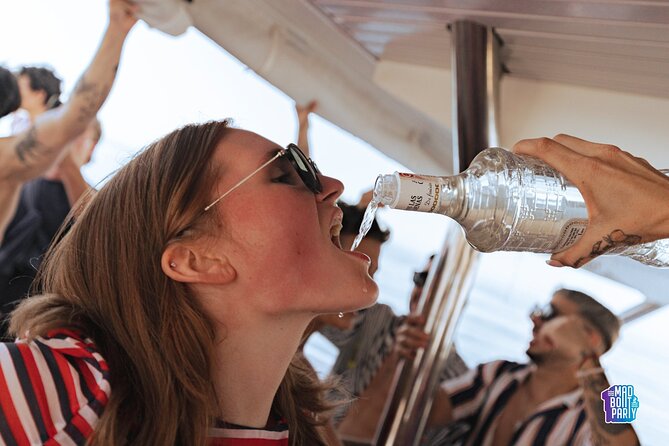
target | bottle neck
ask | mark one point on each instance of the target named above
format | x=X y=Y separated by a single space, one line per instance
x=421 y=193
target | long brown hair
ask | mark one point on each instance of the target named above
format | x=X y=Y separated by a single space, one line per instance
x=104 y=278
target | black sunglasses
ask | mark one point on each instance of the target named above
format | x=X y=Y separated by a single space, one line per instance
x=419 y=278
x=544 y=312
x=305 y=167
x=302 y=164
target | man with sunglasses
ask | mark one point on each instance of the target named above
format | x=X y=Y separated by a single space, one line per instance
x=552 y=400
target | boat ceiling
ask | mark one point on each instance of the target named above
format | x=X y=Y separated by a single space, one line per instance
x=621 y=45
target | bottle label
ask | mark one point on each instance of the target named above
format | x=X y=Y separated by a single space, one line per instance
x=570 y=233
x=418 y=193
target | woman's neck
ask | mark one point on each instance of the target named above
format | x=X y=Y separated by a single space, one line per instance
x=250 y=363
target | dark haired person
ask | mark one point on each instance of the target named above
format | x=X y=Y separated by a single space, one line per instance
x=552 y=400
x=31 y=153
x=43 y=206
x=10 y=97
x=40 y=90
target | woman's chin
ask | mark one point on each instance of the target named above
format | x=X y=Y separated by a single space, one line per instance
x=370 y=292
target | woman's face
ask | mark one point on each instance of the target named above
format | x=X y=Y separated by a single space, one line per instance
x=277 y=234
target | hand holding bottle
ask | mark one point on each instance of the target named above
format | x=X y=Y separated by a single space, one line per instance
x=627 y=199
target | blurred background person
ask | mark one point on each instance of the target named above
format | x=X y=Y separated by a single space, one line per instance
x=40 y=91
x=32 y=211
x=42 y=208
x=10 y=96
x=552 y=400
x=368 y=358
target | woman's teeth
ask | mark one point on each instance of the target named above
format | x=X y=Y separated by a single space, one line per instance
x=334 y=235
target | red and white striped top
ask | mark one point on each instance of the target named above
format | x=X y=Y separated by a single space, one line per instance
x=53 y=391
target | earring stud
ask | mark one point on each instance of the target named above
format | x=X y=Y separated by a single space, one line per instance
x=173 y=265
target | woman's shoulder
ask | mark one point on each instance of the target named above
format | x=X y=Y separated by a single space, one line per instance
x=51 y=387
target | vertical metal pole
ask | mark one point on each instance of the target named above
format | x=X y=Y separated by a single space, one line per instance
x=475 y=67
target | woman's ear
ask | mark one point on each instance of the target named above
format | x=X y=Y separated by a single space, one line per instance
x=188 y=263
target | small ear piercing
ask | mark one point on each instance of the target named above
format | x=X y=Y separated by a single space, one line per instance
x=173 y=265
x=341 y=315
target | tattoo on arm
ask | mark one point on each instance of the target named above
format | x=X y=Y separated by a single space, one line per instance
x=92 y=96
x=602 y=432
x=615 y=239
x=28 y=148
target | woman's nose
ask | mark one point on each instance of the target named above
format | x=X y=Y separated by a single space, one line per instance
x=332 y=189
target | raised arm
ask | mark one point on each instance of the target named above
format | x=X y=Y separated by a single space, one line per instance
x=28 y=154
x=303 y=112
x=627 y=199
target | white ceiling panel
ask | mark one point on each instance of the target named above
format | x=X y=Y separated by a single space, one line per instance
x=613 y=44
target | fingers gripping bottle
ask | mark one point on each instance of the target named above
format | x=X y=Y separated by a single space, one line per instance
x=506 y=202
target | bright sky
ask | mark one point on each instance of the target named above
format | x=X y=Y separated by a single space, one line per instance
x=165 y=82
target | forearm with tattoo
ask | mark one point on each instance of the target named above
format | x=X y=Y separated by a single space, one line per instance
x=615 y=239
x=87 y=99
x=29 y=148
x=602 y=433
x=92 y=96
x=28 y=155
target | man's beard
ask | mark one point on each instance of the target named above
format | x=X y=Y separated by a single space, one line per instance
x=537 y=358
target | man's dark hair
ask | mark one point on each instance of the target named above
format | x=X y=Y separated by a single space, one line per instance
x=10 y=98
x=353 y=219
x=597 y=314
x=46 y=80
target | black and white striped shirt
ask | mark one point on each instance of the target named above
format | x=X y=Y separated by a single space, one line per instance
x=364 y=347
x=480 y=395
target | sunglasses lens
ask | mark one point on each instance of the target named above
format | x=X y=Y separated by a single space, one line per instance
x=545 y=313
x=305 y=168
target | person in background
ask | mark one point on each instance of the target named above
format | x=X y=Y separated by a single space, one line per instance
x=40 y=91
x=42 y=208
x=552 y=400
x=368 y=357
x=29 y=154
x=627 y=199
x=10 y=96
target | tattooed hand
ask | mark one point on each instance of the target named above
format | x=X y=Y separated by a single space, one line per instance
x=627 y=199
